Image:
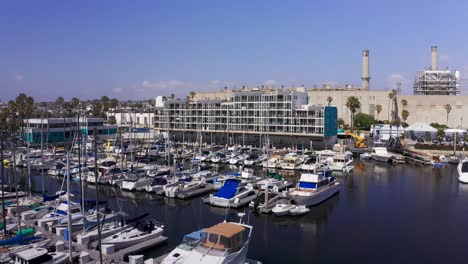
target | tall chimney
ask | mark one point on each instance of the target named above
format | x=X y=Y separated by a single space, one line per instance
x=365 y=69
x=434 y=58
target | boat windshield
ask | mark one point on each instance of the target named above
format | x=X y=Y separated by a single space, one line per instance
x=464 y=167
x=308 y=185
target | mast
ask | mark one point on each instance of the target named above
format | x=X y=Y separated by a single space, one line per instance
x=29 y=170
x=16 y=185
x=69 y=209
x=3 y=184
x=80 y=166
x=42 y=152
x=97 y=194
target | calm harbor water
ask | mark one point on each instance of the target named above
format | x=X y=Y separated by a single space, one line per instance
x=383 y=214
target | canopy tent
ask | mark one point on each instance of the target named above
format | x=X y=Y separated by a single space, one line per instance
x=418 y=130
x=459 y=133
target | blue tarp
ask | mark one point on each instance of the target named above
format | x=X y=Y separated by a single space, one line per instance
x=229 y=189
x=46 y=198
x=308 y=185
x=195 y=235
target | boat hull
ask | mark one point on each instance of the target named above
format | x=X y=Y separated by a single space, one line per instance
x=316 y=198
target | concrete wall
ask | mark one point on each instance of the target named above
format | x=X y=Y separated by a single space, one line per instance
x=421 y=108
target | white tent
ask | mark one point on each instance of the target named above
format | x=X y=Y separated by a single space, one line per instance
x=420 y=129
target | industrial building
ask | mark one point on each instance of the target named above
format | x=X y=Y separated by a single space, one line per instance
x=437 y=82
x=61 y=130
x=249 y=116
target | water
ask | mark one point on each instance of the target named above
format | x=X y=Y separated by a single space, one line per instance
x=383 y=214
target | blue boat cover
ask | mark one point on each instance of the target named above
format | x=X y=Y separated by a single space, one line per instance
x=308 y=185
x=46 y=198
x=229 y=189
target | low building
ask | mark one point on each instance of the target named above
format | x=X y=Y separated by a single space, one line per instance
x=63 y=130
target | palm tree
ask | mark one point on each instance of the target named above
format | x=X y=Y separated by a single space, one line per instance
x=74 y=102
x=329 y=100
x=353 y=104
x=404 y=115
x=404 y=103
x=113 y=105
x=378 y=108
x=448 y=108
x=390 y=97
x=192 y=95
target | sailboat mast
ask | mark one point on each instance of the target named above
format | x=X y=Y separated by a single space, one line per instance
x=97 y=195
x=69 y=209
x=3 y=184
x=29 y=170
x=42 y=151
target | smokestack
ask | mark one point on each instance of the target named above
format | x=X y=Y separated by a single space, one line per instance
x=365 y=69
x=434 y=58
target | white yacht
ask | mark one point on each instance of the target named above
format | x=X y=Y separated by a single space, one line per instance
x=380 y=154
x=462 y=169
x=184 y=187
x=290 y=163
x=220 y=244
x=340 y=162
x=134 y=235
x=314 y=188
x=135 y=182
x=310 y=164
x=232 y=194
x=40 y=255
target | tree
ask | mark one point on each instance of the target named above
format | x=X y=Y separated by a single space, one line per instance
x=404 y=115
x=341 y=122
x=96 y=108
x=353 y=104
x=363 y=121
x=113 y=105
x=59 y=104
x=105 y=104
x=390 y=97
x=404 y=103
x=448 y=108
x=75 y=102
x=378 y=108
x=329 y=100
x=192 y=94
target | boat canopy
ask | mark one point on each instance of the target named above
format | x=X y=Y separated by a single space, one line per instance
x=224 y=236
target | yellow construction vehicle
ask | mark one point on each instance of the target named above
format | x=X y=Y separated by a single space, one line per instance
x=359 y=141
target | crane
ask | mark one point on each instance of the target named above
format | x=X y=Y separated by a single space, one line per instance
x=359 y=141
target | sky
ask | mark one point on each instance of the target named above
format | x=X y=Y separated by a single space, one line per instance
x=142 y=49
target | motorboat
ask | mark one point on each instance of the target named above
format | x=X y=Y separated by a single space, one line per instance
x=380 y=154
x=282 y=209
x=133 y=235
x=314 y=188
x=462 y=170
x=223 y=243
x=237 y=160
x=135 y=182
x=310 y=164
x=184 y=187
x=189 y=242
x=297 y=210
x=232 y=194
x=40 y=255
x=290 y=163
x=157 y=185
x=273 y=162
x=340 y=162
x=274 y=181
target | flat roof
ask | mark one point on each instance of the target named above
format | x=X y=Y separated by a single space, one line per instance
x=225 y=229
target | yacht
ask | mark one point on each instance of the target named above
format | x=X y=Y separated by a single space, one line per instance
x=340 y=162
x=133 y=235
x=40 y=255
x=380 y=154
x=221 y=244
x=135 y=182
x=290 y=163
x=273 y=162
x=310 y=164
x=462 y=169
x=183 y=187
x=189 y=242
x=314 y=188
x=232 y=194
x=237 y=160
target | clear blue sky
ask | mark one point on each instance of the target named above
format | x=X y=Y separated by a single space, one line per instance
x=141 y=49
